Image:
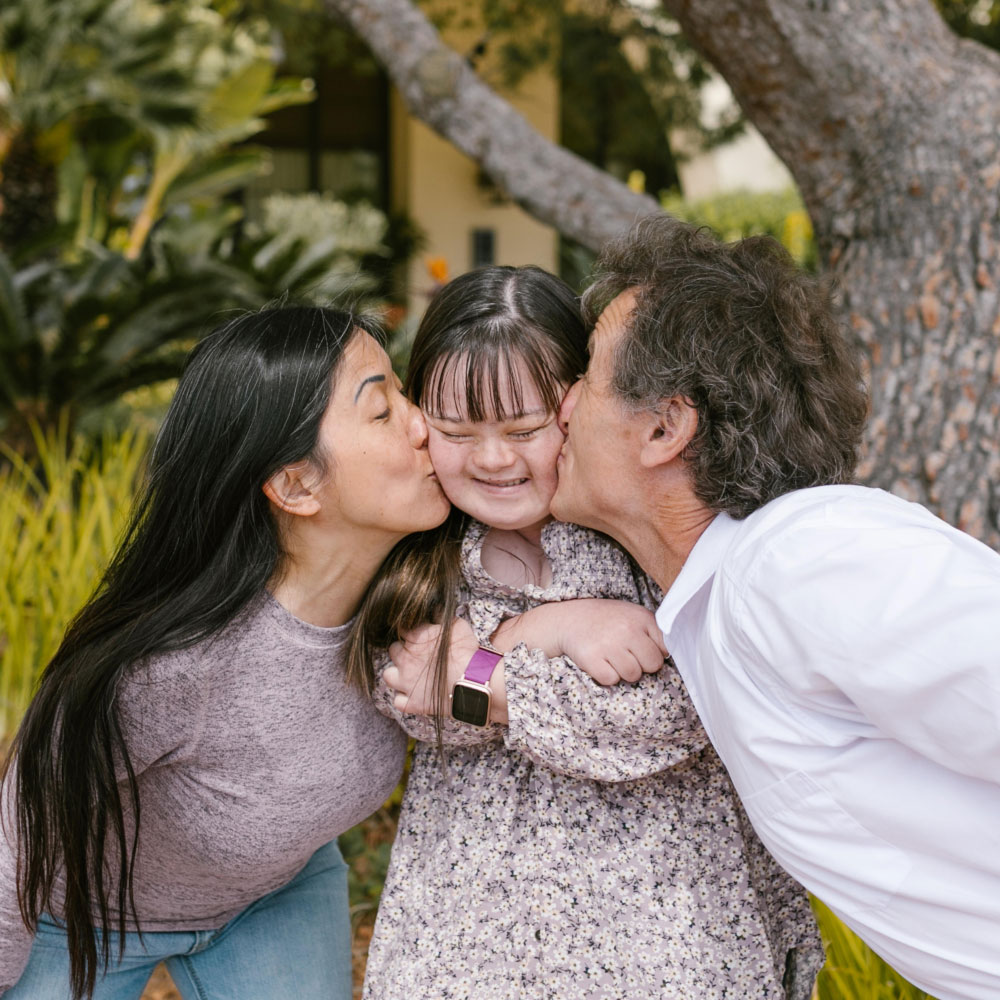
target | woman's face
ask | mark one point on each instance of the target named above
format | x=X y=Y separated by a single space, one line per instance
x=379 y=476
x=501 y=471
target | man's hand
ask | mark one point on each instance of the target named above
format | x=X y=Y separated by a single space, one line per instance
x=611 y=641
x=411 y=675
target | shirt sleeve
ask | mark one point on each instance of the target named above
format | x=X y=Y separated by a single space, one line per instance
x=565 y=721
x=15 y=938
x=163 y=706
x=422 y=727
x=888 y=621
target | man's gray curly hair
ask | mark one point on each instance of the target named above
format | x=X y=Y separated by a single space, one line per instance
x=750 y=340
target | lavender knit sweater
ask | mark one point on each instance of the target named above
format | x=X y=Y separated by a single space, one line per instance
x=251 y=752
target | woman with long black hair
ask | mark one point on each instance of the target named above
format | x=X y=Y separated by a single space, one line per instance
x=176 y=787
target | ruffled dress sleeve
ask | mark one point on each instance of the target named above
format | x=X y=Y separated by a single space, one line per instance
x=558 y=715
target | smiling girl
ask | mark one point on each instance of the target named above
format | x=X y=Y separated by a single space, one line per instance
x=563 y=838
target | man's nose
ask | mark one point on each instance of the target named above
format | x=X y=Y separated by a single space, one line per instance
x=568 y=403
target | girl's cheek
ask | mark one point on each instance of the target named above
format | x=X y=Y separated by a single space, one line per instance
x=446 y=458
x=437 y=449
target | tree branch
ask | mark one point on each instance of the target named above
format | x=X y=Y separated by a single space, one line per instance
x=441 y=89
x=838 y=87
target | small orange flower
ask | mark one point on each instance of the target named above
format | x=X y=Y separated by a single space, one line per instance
x=393 y=315
x=437 y=268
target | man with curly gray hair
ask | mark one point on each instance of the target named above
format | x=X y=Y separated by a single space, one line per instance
x=839 y=643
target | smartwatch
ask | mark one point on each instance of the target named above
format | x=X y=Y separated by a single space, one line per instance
x=471 y=696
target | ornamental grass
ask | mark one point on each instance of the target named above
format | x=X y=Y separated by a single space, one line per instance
x=61 y=515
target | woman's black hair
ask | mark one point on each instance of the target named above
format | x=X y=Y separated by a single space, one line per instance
x=486 y=320
x=201 y=542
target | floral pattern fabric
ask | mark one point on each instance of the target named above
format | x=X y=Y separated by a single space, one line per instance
x=593 y=848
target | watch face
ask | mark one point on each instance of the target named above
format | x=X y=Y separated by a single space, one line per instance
x=470 y=704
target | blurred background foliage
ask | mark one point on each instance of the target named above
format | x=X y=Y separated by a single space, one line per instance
x=736 y=214
x=127 y=133
x=123 y=145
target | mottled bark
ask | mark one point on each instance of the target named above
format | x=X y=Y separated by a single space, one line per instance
x=891 y=127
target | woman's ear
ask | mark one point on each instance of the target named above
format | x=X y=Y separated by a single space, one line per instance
x=667 y=432
x=288 y=490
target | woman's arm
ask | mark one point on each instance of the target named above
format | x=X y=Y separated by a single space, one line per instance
x=15 y=937
x=421 y=726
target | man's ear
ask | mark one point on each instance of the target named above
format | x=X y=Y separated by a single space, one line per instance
x=667 y=431
x=289 y=490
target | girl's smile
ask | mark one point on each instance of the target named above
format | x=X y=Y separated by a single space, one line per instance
x=501 y=471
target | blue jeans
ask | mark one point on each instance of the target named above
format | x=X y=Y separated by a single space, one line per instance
x=292 y=944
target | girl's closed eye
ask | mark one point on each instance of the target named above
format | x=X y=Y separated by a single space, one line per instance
x=524 y=433
x=500 y=469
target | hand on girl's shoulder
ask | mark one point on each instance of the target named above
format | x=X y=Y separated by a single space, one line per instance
x=612 y=641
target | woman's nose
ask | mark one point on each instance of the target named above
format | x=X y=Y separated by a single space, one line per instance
x=417 y=426
x=568 y=403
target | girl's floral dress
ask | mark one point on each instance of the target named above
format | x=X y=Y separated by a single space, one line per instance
x=592 y=848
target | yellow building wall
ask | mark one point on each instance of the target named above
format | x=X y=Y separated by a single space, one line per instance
x=445 y=193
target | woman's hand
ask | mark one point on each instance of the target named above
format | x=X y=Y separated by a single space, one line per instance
x=611 y=641
x=412 y=674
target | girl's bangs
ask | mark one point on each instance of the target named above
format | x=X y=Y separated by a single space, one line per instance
x=492 y=380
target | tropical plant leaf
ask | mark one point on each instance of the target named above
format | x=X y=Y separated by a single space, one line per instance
x=14 y=328
x=148 y=372
x=183 y=312
x=286 y=91
x=237 y=98
x=222 y=173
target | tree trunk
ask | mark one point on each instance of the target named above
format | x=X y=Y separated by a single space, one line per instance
x=891 y=128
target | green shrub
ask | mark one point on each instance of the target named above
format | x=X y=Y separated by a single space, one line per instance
x=59 y=522
x=137 y=113
x=852 y=970
x=736 y=214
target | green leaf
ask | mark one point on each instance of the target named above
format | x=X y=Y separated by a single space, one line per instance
x=217 y=176
x=14 y=327
x=178 y=313
x=286 y=92
x=239 y=95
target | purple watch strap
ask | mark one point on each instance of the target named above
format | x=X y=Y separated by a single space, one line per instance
x=481 y=666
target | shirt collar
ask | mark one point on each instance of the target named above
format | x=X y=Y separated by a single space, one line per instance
x=698 y=568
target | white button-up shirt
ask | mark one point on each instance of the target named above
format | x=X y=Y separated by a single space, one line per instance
x=843 y=649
